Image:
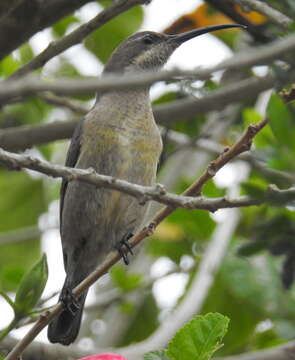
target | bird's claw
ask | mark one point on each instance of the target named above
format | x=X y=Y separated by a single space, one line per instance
x=70 y=301
x=124 y=252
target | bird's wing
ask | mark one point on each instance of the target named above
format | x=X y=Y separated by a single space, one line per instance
x=71 y=160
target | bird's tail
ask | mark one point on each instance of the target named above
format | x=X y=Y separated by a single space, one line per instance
x=65 y=327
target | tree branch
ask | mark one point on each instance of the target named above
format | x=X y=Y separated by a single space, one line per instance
x=23 y=137
x=146 y=193
x=142 y=193
x=49 y=352
x=76 y=36
x=27 y=136
x=242 y=145
x=274 y=15
x=282 y=352
x=14 y=236
x=27 y=86
x=226 y=7
x=184 y=141
x=22 y=19
x=198 y=290
x=52 y=99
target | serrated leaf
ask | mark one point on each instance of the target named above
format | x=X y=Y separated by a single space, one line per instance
x=199 y=338
x=156 y=355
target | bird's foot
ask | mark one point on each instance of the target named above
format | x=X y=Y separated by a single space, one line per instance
x=70 y=301
x=124 y=248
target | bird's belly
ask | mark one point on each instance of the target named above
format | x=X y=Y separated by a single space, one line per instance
x=123 y=156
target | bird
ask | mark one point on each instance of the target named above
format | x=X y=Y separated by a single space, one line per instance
x=119 y=138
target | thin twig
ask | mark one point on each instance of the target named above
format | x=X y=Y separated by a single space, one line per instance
x=184 y=141
x=31 y=85
x=157 y=192
x=21 y=234
x=142 y=193
x=281 y=352
x=242 y=145
x=274 y=15
x=196 y=294
x=75 y=37
x=23 y=137
x=52 y=99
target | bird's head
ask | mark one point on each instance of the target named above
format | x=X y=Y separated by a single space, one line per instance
x=150 y=50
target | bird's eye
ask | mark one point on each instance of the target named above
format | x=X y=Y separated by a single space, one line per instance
x=148 y=40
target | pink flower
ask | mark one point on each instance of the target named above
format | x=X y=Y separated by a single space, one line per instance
x=105 y=356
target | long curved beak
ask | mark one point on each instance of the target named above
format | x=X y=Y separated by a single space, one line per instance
x=181 y=38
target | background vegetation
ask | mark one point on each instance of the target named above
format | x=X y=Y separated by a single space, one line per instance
x=252 y=270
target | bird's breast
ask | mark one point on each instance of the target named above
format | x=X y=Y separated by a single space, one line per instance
x=127 y=152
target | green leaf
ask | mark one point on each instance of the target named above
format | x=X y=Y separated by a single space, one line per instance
x=281 y=122
x=26 y=53
x=59 y=29
x=31 y=111
x=31 y=288
x=103 y=41
x=263 y=138
x=127 y=307
x=22 y=202
x=196 y=224
x=253 y=247
x=211 y=190
x=254 y=190
x=251 y=116
x=156 y=355
x=126 y=282
x=172 y=249
x=266 y=339
x=8 y=66
x=199 y=338
x=66 y=69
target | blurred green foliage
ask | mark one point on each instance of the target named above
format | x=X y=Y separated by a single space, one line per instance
x=31 y=288
x=103 y=41
x=249 y=286
x=22 y=202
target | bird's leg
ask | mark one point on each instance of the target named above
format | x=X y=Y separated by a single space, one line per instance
x=70 y=301
x=124 y=243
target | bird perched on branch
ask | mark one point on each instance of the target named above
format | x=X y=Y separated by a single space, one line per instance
x=118 y=137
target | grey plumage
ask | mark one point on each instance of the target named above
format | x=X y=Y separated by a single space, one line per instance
x=118 y=137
